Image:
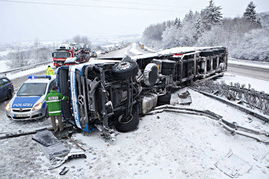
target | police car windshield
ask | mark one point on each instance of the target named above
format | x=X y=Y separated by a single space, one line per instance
x=32 y=89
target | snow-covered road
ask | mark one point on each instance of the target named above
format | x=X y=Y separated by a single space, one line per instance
x=131 y=50
x=166 y=145
x=252 y=69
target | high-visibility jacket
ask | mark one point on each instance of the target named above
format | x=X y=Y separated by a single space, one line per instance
x=50 y=71
x=54 y=100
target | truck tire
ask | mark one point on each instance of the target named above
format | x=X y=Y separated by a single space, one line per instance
x=124 y=70
x=131 y=124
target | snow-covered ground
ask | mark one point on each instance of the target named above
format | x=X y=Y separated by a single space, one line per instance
x=166 y=145
x=3 y=65
x=259 y=85
x=28 y=72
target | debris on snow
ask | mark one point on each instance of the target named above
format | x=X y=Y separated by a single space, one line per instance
x=51 y=146
x=233 y=166
x=185 y=98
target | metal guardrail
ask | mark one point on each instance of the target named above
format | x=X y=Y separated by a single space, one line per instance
x=23 y=68
x=238 y=93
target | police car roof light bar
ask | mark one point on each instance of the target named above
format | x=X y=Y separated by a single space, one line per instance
x=39 y=76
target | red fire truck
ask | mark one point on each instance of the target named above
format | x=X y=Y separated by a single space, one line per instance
x=70 y=55
x=61 y=54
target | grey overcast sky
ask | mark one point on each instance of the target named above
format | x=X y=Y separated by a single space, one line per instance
x=54 y=20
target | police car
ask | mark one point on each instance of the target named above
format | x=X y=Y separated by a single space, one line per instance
x=29 y=102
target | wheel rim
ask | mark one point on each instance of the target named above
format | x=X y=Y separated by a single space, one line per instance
x=123 y=65
x=123 y=121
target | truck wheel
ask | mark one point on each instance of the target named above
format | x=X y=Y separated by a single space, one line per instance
x=130 y=123
x=124 y=70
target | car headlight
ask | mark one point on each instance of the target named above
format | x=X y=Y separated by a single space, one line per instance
x=8 y=107
x=37 y=107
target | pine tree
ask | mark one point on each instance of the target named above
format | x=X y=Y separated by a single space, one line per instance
x=211 y=15
x=177 y=22
x=250 y=14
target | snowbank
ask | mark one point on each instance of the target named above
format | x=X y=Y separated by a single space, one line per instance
x=28 y=72
x=3 y=65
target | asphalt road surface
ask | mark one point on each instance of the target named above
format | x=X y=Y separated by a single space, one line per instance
x=253 y=72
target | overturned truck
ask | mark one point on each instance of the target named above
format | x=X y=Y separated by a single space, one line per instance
x=114 y=93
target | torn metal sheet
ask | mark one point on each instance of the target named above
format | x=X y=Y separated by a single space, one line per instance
x=51 y=146
x=59 y=161
x=45 y=138
x=233 y=166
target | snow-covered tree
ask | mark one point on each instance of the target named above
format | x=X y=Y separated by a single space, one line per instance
x=82 y=39
x=211 y=15
x=243 y=38
x=177 y=23
x=18 y=58
x=253 y=46
x=264 y=16
x=169 y=37
x=250 y=14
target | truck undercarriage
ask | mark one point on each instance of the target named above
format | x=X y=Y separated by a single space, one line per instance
x=114 y=93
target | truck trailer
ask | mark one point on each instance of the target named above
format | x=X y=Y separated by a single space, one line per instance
x=112 y=93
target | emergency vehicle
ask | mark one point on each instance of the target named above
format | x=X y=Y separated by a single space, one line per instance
x=29 y=102
x=70 y=55
x=61 y=54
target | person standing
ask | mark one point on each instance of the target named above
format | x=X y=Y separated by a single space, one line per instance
x=54 y=100
x=50 y=71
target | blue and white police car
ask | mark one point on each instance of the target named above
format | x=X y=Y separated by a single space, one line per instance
x=29 y=102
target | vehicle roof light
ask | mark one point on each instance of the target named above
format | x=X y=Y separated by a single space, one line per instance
x=177 y=55
x=39 y=76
